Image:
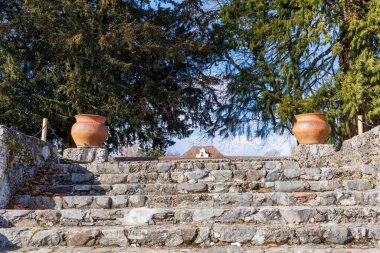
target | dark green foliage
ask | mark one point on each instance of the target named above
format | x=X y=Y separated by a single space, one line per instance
x=295 y=56
x=141 y=66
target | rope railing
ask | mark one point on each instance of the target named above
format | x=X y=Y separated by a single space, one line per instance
x=365 y=123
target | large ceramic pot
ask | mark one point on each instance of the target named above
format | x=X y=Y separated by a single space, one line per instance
x=89 y=130
x=311 y=128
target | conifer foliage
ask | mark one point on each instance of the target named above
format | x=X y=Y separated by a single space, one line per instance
x=142 y=64
x=294 y=56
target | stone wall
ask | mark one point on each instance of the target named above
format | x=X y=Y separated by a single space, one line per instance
x=360 y=153
x=356 y=163
x=20 y=158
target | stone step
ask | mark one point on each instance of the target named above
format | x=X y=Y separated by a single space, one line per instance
x=196 y=170
x=178 y=165
x=343 y=198
x=194 y=235
x=234 y=248
x=117 y=188
x=211 y=215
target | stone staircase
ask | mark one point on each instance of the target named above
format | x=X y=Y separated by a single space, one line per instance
x=318 y=200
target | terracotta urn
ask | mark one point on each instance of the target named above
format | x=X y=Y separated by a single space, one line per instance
x=311 y=128
x=89 y=130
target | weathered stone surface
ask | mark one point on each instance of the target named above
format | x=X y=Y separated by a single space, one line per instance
x=20 y=158
x=234 y=233
x=25 y=200
x=289 y=186
x=86 y=155
x=10 y=238
x=134 y=177
x=205 y=214
x=189 y=188
x=81 y=177
x=48 y=216
x=178 y=177
x=120 y=189
x=218 y=187
x=72 y=214
x=163 y=167
x=44 y=238
x=312 y=174
x=338 y=235
x=103 y=201
x=113 y=178
x=233 y=248
x=83 y=187
x=140 y=216
x=304 y=196
x=162 y=236
x=221 y=175
x=137 y=201
x=260 y=201
x=357 y=185
x=77 y=201
x=195 y=175
x=186 y=166
x=280 y=198
x=114 y=236
x=83 y=237
x=203 y=235
x=211 y=166
x=243 y=199
x=297 y=214
x=274 y=175
x=292 y=172
x=320 y=186
x=255 y=175
x=266 y=215
x=270 y=165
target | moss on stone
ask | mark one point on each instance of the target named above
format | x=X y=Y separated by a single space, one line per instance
x=17 y=149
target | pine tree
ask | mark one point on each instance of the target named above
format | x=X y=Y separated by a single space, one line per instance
x=141 y=65
x=290 y=57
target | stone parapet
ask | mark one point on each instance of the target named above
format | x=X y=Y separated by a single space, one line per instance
x=315 y=155
x=86 y=155
x=20 y=158
x=361 y=153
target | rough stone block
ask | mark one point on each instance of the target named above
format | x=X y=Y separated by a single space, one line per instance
x=292 y=172
x=137 y=201
x=357 y=185
x=221 y=175
x=289 y=186
x=113 y=178
x=114 y=236
x=163 y=167
x=337 y=234
x=236 y=233
x=195 y=175
x=44 y=238
x=83 y=237
x=255 y=175
x=86 y=155
x=192 y=188
x=119 y=201
x=297 y=214
x=81 y=177
x=312 y=174
x=206 y=214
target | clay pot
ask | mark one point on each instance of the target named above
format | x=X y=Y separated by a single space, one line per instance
x=311 y=128
x=89 y=130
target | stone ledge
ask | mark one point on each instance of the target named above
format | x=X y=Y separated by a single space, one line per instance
x=86 y=155
x=21 y=156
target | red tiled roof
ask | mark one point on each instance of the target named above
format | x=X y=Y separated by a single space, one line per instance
x=210 y=150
